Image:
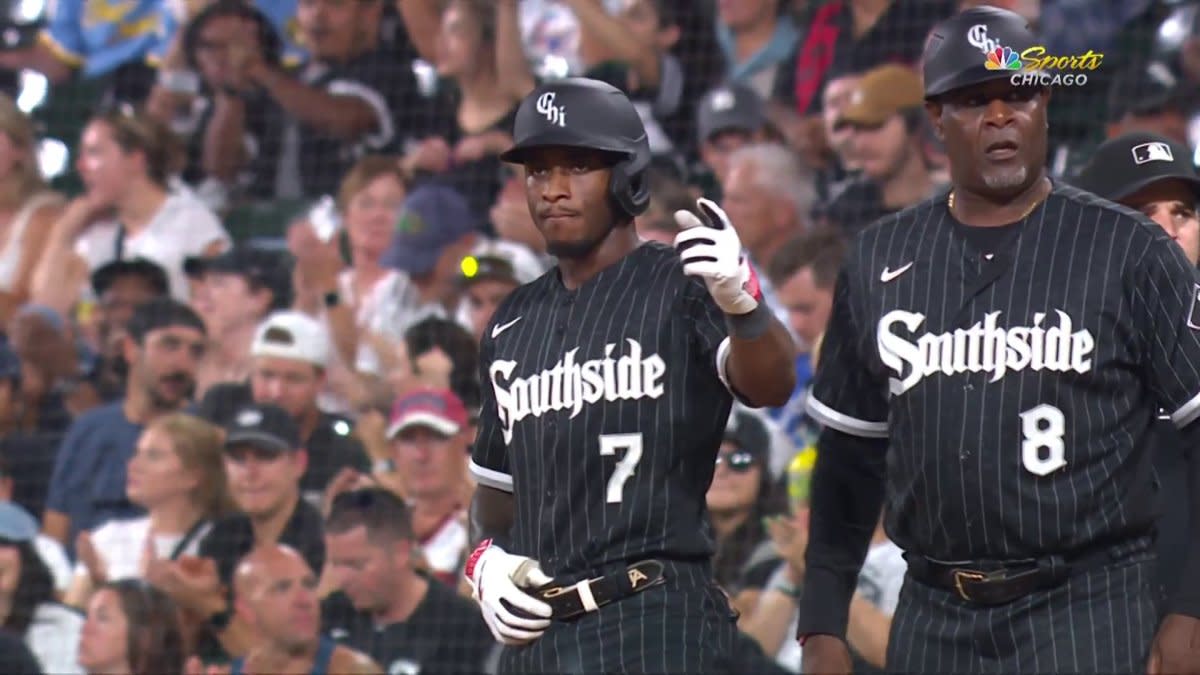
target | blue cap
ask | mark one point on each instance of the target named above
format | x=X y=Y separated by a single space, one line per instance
x=16 y=525
x=433 y=217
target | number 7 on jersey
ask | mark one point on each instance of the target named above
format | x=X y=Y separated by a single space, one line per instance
x=632 y=445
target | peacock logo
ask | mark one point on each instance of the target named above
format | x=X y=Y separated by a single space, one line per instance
x=1003 y=58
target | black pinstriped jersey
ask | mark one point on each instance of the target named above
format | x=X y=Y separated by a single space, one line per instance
x=1017 y=387
x=603 y=410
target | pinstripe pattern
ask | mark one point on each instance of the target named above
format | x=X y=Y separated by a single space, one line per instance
x=958 y=489
x=914 y=359
x=553 y=460
x=1097 y=622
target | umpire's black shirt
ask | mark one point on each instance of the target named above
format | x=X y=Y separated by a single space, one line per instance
x=445 y=635
x=603 y=409
x=1017 y=386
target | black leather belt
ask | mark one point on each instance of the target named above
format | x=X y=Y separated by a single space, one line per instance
x=1002 y=583
x=568 y=602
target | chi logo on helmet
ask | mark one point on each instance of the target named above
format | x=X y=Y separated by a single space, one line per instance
x=555 y=114
x=1003 y=58
x=978 y=38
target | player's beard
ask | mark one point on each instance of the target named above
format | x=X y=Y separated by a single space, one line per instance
x=1006 y=180
x=577 y=250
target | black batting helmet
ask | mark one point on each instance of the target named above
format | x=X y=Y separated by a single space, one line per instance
x=578 y=112
x=958 y=50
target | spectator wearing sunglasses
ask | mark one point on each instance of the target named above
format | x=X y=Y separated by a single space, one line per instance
x=385 y=606
x=738 y=500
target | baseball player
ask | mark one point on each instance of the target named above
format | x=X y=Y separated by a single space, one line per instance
x=1003 y=349
x=607 y=384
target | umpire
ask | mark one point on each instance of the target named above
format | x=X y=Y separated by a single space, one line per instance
x=1155 y=175
x=1003 y=350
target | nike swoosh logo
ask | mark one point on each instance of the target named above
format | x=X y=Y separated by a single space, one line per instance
x=497 y=330
x=888 y=275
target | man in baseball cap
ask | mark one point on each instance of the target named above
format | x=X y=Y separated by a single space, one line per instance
x=886 y=118
x=289 y=356
x=729 y=117
x=1154 y=175
x=264 y=460
x=492 y=271
x=430 y=450
x=236 y=290
x=434 y=230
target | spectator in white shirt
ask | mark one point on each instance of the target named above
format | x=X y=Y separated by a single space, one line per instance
x=177 y=474
x=129 y=208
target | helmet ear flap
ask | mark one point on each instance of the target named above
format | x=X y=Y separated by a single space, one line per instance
x=630 y=192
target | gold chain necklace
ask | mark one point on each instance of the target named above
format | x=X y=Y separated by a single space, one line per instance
x=950 y=205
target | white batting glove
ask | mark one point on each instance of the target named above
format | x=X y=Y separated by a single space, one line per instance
x=710 y=249
x=497 y=577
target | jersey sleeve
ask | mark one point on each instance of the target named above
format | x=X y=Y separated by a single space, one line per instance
x=1166 y=309
x=489 y=456
x=845 y=395
x=63 y=35
x=380 y=85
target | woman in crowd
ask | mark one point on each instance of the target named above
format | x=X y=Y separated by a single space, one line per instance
x=129 y=209
x=371 y=299
x=27 y=605
x=479 y=50
x=131 y=627
x=738 y=500
x=177 y=474
x=28 y=208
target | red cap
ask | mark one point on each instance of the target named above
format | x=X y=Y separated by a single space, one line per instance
x=437 y=409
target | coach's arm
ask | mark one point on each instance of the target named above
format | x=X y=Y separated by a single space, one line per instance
x=845 y=501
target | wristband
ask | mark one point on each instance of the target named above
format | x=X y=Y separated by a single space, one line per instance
x=751 y=325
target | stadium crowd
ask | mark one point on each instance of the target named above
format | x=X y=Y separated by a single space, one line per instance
x=239 y=373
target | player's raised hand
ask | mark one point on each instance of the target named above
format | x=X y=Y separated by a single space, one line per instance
x=497 y=579
x=710 y=249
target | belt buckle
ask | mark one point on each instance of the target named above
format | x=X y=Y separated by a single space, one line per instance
x=967 y=575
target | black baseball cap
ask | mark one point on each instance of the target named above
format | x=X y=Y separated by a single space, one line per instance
x=746 y=429
x=268 y=268
x=263 y=426
x=150 y=271
x=1123 y=165
x=730 y=107
x=1143 y=89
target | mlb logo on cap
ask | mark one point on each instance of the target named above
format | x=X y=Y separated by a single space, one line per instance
x=1152 y=152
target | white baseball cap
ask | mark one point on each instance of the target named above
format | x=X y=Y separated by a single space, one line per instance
x=292 y=335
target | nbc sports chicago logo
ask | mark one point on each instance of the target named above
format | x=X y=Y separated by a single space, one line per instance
x=1033 y=66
